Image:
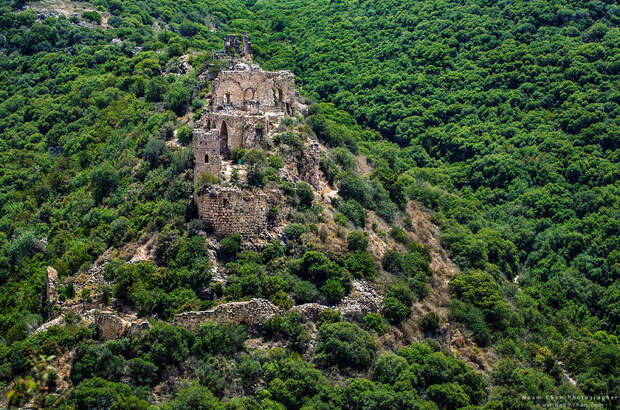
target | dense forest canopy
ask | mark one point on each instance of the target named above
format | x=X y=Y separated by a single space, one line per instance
x=500 y=117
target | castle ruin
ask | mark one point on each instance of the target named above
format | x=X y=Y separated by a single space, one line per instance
x=246 y=108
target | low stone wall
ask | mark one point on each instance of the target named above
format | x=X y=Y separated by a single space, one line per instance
x=250 y=313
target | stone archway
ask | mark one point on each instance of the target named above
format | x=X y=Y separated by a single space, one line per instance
x=249 y=94
x=224 y=149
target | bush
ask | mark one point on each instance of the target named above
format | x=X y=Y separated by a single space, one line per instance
x=294 y=231
x=345 y=345
x=142 y=372
x=99 y=393
x=195 y=397
x=374 y=321
x=394 y=310
x=448 y=395
x=304 y=292
x=388 y=367
x=185 y=135
x=357 y=241
x=178 y=98
x=430 y=322
x=328 y=316
x=155 y=89
x=333 y=291
x=360 y=264
x=229 y=246
x=92 y=16
x=401 y=292
x=353 y=211
x=399 y=235
x=305 y=195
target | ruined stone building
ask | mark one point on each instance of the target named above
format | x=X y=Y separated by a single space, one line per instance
x=247 y=105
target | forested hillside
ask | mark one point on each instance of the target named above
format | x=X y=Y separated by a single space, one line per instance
x=500 y=117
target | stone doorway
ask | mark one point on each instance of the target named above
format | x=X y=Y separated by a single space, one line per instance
x=224 y=150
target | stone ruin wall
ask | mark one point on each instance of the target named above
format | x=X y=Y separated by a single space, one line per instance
x=228 y=210
x=270 y=91
x=206 y=142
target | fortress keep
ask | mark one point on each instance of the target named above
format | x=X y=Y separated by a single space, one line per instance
x=246 y=107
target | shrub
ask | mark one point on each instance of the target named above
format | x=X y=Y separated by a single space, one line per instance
x=177 y=98
x=185 y=135
x=328 y=316
x=333 y=291
x=214 y=338
x=294 y=231
x=345 y=345
x=92 y=16
x=357 y=241
x=388 y=367
x=430 y=322
x=195 y=397
x=305 y=195
x=399 y=235
x=229 y=246
x=341 y=219
x=360 y=264
x=99 y=393
x=155 y=89
x=448 y=395
x=289 y=138
x=353 y=211
x=394 y=310
x=374 y=321
x=305 y=292
x=401 y=292
x=142 y=372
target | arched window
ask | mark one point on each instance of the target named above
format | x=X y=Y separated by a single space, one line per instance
x=206 y=158
x=248 y=95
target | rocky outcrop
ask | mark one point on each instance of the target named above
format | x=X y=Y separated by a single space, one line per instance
x=51 y=287
x=362 y=300
x=251 y=313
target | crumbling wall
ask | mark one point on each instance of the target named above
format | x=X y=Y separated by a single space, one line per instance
x=250 y=313
x=206 y=152
x=272 y=91
x=228 y=210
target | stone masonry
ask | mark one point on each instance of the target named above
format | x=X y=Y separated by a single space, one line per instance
x=228 y=210
x=246 y=108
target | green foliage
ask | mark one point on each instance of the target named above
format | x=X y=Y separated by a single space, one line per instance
x=215 y=339
x=374 y=322
x=92 y=16
x=430 y=322
x=294 y=231
x=177 y=98
x=353 y=211
x=357 y=241
x=229 y=246
x=345 y=345
x=399 y=235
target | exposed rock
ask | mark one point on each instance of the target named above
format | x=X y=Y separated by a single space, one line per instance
x=51 y=287
x=251 y=313
x=362 y=300
x=111 y=326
